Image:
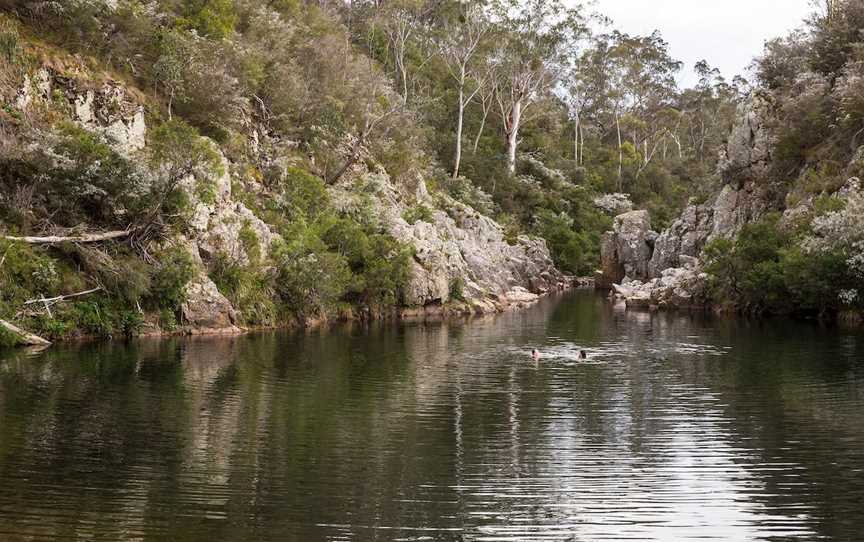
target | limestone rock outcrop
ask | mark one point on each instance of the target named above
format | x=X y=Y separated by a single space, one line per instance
x=663 y=263
x=679 y=288
x=205 y=309
x=458 y=248
x=626 y=250
x=462 y=258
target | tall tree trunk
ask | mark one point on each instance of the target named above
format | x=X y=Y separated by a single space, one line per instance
x=581 y=146
x=620 y=151
x=513 y=136
x=576 y=139
x=458 y=159
x=482 y=126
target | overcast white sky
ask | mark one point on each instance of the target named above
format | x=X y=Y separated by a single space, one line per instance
x=726 y=33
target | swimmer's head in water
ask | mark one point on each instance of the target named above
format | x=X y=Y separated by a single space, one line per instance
x=583 y=354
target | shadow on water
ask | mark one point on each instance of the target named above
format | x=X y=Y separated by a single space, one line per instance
x=680 y=427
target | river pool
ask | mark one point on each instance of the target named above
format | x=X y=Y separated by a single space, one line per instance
x=679 y=427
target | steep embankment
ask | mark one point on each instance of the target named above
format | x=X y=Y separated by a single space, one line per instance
x=801 y=244
x=232 y=219
x=665 y=268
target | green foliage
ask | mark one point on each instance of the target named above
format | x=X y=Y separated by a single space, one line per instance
x=26 y=272
x=572 y=250
x=302 y=196
x=213 y=18
x=311 y=283
x=764 y=270
x=10 y=47
x=457 y=289
x=7 y=339
x=249 y=289
x=748 y=270
x=92 y=183
x=173 y=272
x=167 y=320
x=417 y=213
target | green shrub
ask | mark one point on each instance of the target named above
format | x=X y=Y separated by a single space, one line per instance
x=9 y=41
x=249 y=240
x=213 y=18
x=93 y=183
x=173 y=272
x=763 y=270
x=457 y=289
x=417 y=213
x=167 y=320
x=303 y=196
x=748 y=270
x=26 y=272
x=248 y=288
x=312 y=284
x=130 y=322
x=572 y=250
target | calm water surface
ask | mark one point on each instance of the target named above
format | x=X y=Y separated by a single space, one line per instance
x=679 y=428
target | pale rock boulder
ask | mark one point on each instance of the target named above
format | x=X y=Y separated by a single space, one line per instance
x=217 y=225
x=683 y=287
x=626 y=250
x=685 y=237
x=205 y=309
x=110 y=111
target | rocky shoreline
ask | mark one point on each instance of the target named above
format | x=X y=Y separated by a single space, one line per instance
x=517 y=299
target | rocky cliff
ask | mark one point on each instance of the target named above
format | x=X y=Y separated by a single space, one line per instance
x=663 y=268
x=462 y=261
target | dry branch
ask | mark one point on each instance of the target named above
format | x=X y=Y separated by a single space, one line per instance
x=54 y=239
x=24 y=337
x=52 y=300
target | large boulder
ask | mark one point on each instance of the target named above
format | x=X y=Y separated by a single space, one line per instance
x=626 y=251
x=205 y=309
x=686 y=236
x=683 y=287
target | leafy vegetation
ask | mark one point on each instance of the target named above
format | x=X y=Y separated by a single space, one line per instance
x=526 y=111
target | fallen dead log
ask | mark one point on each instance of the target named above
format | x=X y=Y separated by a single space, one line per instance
x=52 y=300
x=54 y=239
x=24 y=337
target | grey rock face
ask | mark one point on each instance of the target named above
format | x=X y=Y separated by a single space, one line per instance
x=747 y=155
x=626 y=251
x=685 y=237
x=459 y=246
x=744 y=198
x=678 y=287
x=205 y=308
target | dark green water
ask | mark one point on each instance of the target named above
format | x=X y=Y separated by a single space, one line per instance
x=681 y=428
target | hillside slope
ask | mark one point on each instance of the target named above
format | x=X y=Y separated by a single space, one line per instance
x=214 y=237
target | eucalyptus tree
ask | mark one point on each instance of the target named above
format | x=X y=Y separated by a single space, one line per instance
x=405 y=23
x=533 y=39
x=460 y=37
x=646 y=80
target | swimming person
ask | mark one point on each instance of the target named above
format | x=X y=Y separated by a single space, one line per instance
x=535 y=354
x=583 y=355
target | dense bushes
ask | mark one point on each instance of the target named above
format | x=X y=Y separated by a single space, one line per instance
x=764 y=270
x=128 y=284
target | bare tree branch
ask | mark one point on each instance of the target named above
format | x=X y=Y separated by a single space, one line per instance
x=55 y=239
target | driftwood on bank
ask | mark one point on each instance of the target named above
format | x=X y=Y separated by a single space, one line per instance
x=57 y=299
x=24 y=337
x=86 y=238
